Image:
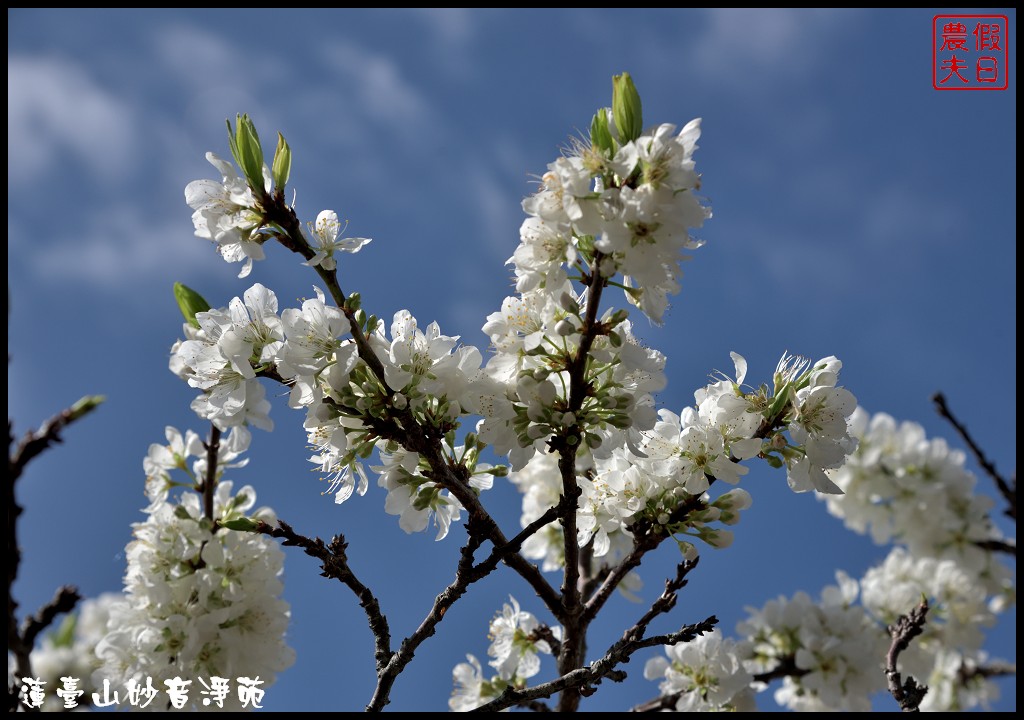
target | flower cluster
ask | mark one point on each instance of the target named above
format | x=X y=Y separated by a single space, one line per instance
x=200 y=599
x=630 y=201
x=902 y=486
x=226 y=213
x=833 y=646
x=703 y=675
x=70 y=652
x=219 y=357
x=568 y=397
x=516 y=639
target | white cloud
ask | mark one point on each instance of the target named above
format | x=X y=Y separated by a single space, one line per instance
x=204 y=61
x=451 y=33
x=453 y=27
x=758 y=47
x=122 y=250
x=55 y=109
x=377 y=87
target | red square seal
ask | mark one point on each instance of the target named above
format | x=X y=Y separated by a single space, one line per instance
x=970 y=52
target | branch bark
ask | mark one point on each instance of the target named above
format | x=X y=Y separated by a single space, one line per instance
x=581 y=679
x=32 y=444
x=908 y=693
x=334 y=561
x=1009 y=493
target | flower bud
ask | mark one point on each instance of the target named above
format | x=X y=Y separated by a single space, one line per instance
x=569 y=304
x=248 y=153
x=600 y=133
x=282 y=168
x=626 y=108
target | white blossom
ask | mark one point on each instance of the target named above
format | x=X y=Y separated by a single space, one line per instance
x=328 y=237
x=514 y=648
x=198 y=601
x=226 y=213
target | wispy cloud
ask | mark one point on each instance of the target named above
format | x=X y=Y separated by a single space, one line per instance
x=56 y=109
x=202 y=60
x=119 y=250
x=758 y=47
x=377 y=86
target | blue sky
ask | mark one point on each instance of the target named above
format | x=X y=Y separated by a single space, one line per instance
x=858 y=212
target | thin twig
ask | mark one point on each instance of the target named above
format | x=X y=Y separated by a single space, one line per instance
x=545 y=633
x=464 y=576
x=909 y=693
x=35 y=442
x=64 y=601
x=1009 y=493
x=663 y=702
x=585 y=677
x=31 y=446
x=334 y=561
x=667 y=600
x=1004 y=546
x=968 y=672
x=407 y=431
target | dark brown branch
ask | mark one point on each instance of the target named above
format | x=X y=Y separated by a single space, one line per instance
x=535 y=706
x=1003 y=546
x=786 y=668
x=334 y=561
x=35 y=442
x=907 y=627
x=464 y=576
x=582 y=678
x=64 y=601
x=968 y=672
x=646 y=537
x=1009 y=493
x=545 y=633
x=574 y=641
x=210 y=481
x=412 y=436
x=668 y=597
x=664 y=702
x=20 y=643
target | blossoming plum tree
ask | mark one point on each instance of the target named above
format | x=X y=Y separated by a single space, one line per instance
x=563 y=408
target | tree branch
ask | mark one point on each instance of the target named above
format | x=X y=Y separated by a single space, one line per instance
x=786 y=668
x=535 y=706
x=35 y=442
x=1004 y=546
x=583 y=678
x=464 y=576
x=1009 y=493
x=574 y=640
x=210 y=481
x=995 y=669
x=20 y=643
x=668 y=597
x=907 y=627
x=64 y=601
x=412 y=436
x=334 y=562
